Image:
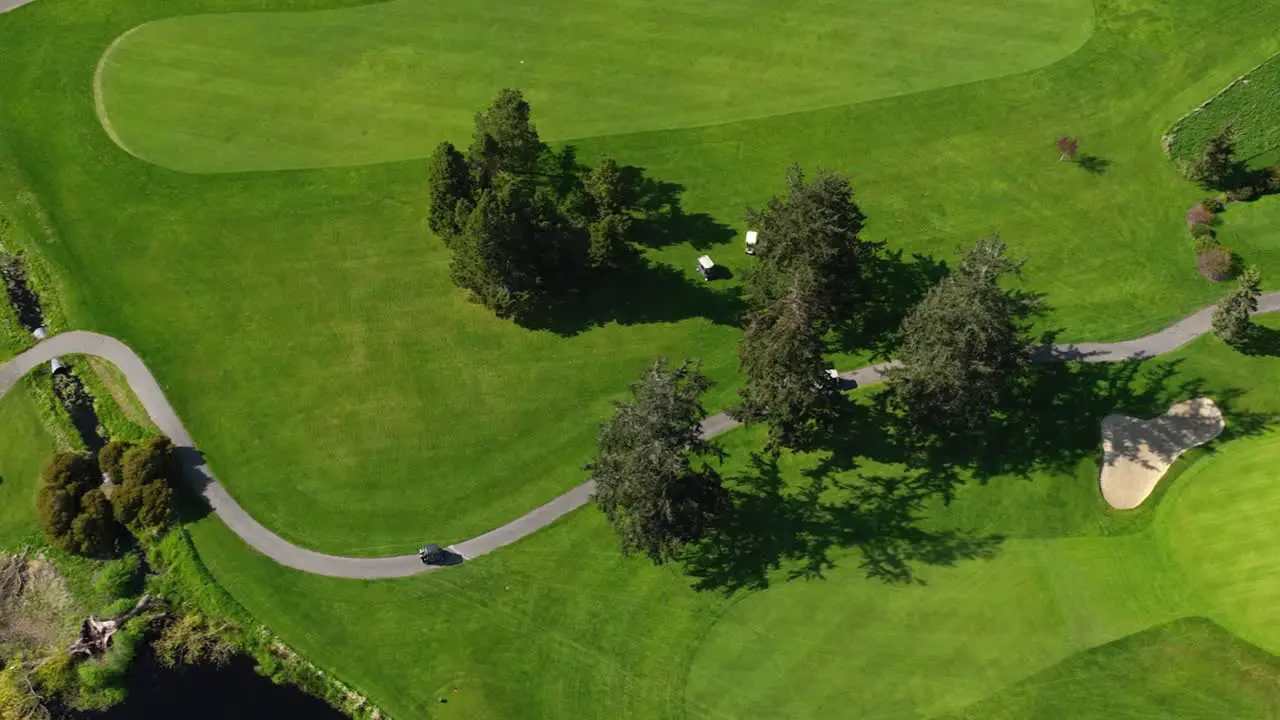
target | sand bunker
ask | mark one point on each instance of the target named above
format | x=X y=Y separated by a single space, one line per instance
x=1137 y=453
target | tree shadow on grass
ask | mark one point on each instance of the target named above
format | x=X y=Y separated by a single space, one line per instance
x=1093 y=164
x=660 y=219
x=640 y=290
x=793 y=530
x=192 y=480
x=890 y=286
x=799 y=531
x=1054 y=420
x=1261 y=341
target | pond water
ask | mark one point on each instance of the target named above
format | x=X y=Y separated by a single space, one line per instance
x=209 y=693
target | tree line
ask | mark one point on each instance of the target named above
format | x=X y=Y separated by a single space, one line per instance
x=524 y=225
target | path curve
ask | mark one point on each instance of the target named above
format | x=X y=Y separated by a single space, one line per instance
x=197 y=471
x=7 y=5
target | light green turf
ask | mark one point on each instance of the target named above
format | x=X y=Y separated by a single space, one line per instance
x=1223 y=527
x=263 y=91
x=24 y=448
x=305 y=328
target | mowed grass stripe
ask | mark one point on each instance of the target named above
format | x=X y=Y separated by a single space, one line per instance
x=227 y=92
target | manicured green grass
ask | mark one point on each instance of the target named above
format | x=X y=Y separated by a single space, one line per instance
x=1222 y=530
x=1251 y=107
x=305 y=327
x=24 y=448
x=559 y=625
x=1190 y=669
x=210 y=93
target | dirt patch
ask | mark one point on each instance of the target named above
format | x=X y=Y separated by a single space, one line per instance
x=1137 y=453
x=36 y=609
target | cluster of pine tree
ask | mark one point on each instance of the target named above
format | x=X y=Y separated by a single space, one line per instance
x=525 y=224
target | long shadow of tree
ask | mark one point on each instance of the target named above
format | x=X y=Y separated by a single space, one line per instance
x=778 y=529
x=890 y=285
x=639 y=290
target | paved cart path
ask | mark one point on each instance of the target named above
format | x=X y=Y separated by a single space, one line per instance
x=197 y=471
x=7 y=5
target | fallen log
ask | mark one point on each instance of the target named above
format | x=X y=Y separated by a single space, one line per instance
x=95 y=634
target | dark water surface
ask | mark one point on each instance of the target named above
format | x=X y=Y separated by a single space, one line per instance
x=205 y=693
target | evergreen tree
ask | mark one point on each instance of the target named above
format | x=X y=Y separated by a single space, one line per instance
x=494 y=257
x=964 y=348
x=815 y=227
x=608 y=188
x=651 y=474
x=450 y=182
x=143 y=501
x=786 y=378
x=111 y=457
x=608 y=244
x=69 y=506
x=1231 y=317
x=1216 y=167
x=505 y=140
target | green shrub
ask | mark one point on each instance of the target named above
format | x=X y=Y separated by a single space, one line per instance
x=119 y=578
x=192 y=640
x=73 y=513
x=111 y=458
x=1243 y=193
x=93 y=531
x=103 y=682
x=78 y=473
x=1206 y=243
x=1200 y=230
x=151 y=459
x=1213 y=204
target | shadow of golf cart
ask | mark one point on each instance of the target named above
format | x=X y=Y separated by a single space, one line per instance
x=437 y=556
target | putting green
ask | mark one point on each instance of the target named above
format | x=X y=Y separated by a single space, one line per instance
x=259 y=91
x=1223 y=527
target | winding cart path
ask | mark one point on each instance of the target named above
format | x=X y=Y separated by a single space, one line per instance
x=197 y=471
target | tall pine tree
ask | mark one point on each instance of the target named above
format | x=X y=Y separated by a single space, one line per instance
x=652 y=475
x=965 y=347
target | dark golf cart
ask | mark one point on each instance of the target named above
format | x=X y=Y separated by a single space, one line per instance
x=434 y=555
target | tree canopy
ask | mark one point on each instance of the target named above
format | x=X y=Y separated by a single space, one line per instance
x=965 y=347
x=1216 y=167
x=652 y=478
x=803 y=285
x=526 y=224
x=72 y=511
x=1231 y=320
x=815 y=226
x=787 y=384
x=143 y=498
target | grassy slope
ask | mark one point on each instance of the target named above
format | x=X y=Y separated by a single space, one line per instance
x=386 y=82
x=1250 y=107
x=559 y=626
x=1190 y=669
x=307 y=332
x=24 y=447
